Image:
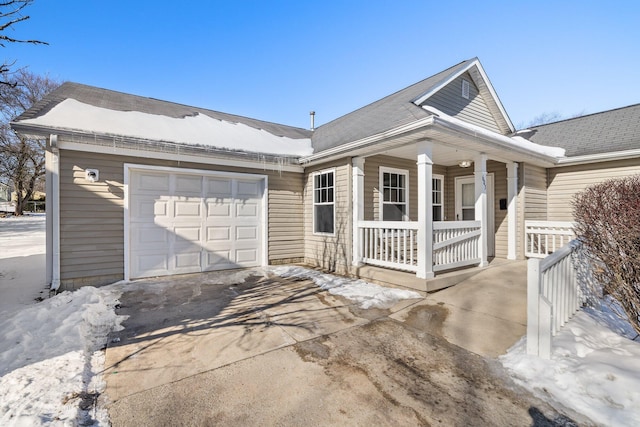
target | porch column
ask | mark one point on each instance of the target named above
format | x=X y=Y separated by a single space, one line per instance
x=358 y=207
x=425 y=210
x=480 y=174
x=512 y=210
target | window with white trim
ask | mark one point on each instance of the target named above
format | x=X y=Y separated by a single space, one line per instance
x=438 y=197
x=394 y=194
x=324 y=202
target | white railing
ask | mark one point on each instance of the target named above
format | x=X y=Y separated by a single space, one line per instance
x=455 y=244
x=545 y=237
x=391 y=244
x=553 y=296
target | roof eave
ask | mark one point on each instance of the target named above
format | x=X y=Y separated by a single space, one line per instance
x=598 y=158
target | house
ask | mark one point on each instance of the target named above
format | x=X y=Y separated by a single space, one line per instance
x=430 y=178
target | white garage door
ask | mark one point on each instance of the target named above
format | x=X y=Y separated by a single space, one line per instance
x=185 y=223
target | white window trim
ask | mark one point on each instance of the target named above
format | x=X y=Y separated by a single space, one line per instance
x=313 y=200
x=381 y=172
x=441 y=178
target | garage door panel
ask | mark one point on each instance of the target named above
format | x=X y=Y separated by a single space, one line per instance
x=217 y=187
x=181 y=222
x=247 y=233
x=219 y=209
x=247 y=210
x=187 y=208
x=146 y=182
x=188 y=185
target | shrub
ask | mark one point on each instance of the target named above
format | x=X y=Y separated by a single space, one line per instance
x=608 y=223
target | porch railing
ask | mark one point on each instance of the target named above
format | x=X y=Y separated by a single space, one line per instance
x=455 y=244
x=553 y=296
x=391 y=244
x=394 y=244
x=545 y=237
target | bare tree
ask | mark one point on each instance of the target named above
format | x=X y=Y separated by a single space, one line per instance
x=12 y=13
x=21 y=159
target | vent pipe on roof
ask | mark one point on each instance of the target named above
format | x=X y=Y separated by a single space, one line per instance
x=312 y=116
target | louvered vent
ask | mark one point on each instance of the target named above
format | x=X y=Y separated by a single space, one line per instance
x=465 y=89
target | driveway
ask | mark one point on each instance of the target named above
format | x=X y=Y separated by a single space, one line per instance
x=249 y=348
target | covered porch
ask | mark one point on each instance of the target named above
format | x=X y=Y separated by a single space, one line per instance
x=436 y=200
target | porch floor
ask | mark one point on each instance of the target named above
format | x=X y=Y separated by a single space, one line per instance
x=395 y=278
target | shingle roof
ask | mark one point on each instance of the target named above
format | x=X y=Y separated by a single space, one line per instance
x=387 y=113
x=607 y=131
x=119 y=101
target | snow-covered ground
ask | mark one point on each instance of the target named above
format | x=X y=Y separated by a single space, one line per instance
x=50 y=357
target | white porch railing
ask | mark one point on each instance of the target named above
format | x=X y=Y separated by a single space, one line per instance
x=391 y=244
x=545 y=237
x=455 y=244
x=394 y=244
x=553 y=296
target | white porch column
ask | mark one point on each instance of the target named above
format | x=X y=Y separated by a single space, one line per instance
x=425 y=210
x=480 y=174
x=512 y=210
x=358 y=207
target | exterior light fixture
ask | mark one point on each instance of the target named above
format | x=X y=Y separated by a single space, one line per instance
x=465 y=163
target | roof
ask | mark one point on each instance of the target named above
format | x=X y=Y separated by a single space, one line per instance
x=397 y=109
x=604 y=132
x=118 y=101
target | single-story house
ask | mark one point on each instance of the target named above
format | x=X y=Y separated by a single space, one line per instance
x=430 y=178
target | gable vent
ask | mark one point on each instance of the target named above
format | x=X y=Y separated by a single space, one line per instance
x=465 y=89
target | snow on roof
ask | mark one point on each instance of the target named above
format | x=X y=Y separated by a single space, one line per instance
x=516 y=141
x=198 y=129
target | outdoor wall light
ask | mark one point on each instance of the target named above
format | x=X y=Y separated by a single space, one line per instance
x=465 y=163
x=92 y=175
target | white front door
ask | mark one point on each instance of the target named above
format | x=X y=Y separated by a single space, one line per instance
x=182 y=222
x=465 y=198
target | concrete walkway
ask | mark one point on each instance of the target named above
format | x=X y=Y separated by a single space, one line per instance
x=485 y=314
x=237 y=348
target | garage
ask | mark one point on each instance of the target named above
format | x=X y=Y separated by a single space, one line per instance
x=186 y=221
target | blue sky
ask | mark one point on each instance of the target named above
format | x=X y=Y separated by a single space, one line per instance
x=277 y=60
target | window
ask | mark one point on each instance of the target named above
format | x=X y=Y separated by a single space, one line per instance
x=438 y=197
x=323 y=202
x=394 y=184
x=465 y=89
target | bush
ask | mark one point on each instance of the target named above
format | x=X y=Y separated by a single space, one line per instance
x=608 y=224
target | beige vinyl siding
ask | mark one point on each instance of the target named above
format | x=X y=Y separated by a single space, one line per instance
x=499 y=171
x=332 y=253
x=92 y=216
x=535 y=185
x=565 y=182
x=474 y=110
x=372 y=167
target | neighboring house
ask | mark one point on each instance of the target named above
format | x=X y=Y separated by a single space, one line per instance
x=430 y=178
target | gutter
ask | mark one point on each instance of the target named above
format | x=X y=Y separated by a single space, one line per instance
x=597 y=158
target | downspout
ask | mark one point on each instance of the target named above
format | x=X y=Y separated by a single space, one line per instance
x=53 y=212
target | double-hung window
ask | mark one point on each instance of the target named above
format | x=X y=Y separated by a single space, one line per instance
x=394 y=194
x=324 y=202
x=438 y=197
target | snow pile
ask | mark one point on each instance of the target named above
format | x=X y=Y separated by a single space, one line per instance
x=50 y=361
x=196 y=130
x=365 y=294
x=516 y=141
x=593 y=369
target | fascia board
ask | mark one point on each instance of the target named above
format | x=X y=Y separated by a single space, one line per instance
x=225 y=159
x=451 y=77
x=597 y=158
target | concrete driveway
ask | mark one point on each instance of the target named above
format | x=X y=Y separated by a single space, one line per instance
x=244 y=348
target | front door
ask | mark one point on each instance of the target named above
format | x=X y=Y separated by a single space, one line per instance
x=466 y=205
